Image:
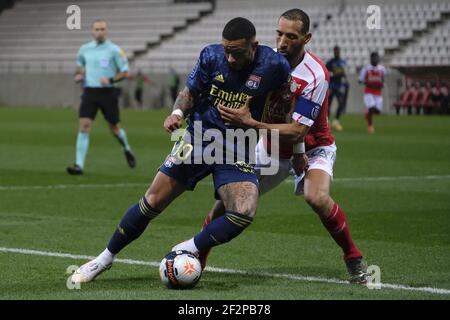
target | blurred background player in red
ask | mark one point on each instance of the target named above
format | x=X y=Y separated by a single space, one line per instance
x=372 y=76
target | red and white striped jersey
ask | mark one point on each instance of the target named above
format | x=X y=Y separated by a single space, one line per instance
x=310 y=80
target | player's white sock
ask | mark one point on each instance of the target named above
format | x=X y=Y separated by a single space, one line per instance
x=106 y=257
x=187 y=245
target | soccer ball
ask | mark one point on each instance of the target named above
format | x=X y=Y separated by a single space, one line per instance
x=180 y=270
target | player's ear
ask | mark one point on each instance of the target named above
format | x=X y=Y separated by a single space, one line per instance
x=254 y=45
x=308 y=37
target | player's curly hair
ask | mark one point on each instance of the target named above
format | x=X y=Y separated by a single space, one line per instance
x=300 y=15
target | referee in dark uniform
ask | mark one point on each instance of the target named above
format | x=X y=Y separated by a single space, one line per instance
x=100 y=63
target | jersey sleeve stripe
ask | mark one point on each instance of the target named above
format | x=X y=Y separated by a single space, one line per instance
x=315 y=80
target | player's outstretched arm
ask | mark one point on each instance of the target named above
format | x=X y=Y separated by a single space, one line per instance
x=289 y=132
x=184 y=104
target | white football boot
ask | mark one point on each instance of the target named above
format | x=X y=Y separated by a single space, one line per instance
x=89 y=271
x=187 y=245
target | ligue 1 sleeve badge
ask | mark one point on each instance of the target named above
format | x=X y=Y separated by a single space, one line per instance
x=253 y=82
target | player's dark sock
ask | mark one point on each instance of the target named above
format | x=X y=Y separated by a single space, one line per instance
x=339 y=110
x=132 y=225
x=82 y=148
x=123 y=140
x=337 y=226
x=203 y=255
x=221 y=230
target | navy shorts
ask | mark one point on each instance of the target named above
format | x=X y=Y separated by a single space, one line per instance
x=105 y=99
x=189 y=174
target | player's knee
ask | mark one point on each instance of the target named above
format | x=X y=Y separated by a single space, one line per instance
x=317 y=199
x=115 y=129
x=153 y=200
x=85 y=127
x=246 y=208
x=217 y=210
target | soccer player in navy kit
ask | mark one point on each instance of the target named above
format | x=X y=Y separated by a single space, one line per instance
x=226 y=74
x=338 y=86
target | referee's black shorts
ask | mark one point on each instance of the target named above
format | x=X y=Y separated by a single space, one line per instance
x=105 y=99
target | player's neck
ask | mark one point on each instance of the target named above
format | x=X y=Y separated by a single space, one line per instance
x=294 y=62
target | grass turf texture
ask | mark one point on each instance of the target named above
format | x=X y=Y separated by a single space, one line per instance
x=401 y=225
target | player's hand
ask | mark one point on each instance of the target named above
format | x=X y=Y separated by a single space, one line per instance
x=238 y=117
x=78 y=77
x=173 y=122
x=104 y=81
x=299 y=163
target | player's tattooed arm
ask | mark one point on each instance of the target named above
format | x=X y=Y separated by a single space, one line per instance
x=183 y=106
x=184 y=101
x=292 y=132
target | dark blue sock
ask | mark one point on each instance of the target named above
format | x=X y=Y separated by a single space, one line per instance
x=222 y=230
x=132 y=225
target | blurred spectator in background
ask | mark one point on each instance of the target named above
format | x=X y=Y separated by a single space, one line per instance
x=435 y=98
x=403 y=99
x=416 y=95
x=338 y=86
x=174 y=82
x=444 y=107
x=424 y=100
x=140 y=80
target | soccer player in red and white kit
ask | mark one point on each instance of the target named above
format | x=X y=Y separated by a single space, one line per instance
x=372 y=76
x=307 y=138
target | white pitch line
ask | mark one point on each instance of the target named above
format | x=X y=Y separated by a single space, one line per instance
x=66 y=186
x=228 y=271
x=364 y=179
x=138 y=184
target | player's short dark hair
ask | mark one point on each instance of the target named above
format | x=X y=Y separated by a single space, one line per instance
x=298 y=15
x=238 y=28
x=99 y=20
x=374 y=54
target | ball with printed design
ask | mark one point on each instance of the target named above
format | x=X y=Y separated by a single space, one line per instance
x=180 y=270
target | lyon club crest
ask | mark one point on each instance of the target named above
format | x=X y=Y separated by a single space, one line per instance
x=253 y=82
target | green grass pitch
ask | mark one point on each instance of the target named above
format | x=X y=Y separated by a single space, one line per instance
x=394 y=187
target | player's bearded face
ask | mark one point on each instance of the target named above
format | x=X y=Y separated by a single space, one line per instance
x=239 y=53
x=99 y=31
x=290 y=41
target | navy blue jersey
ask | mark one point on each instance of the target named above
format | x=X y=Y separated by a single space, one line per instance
x=336 y=67
x=215 y=82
